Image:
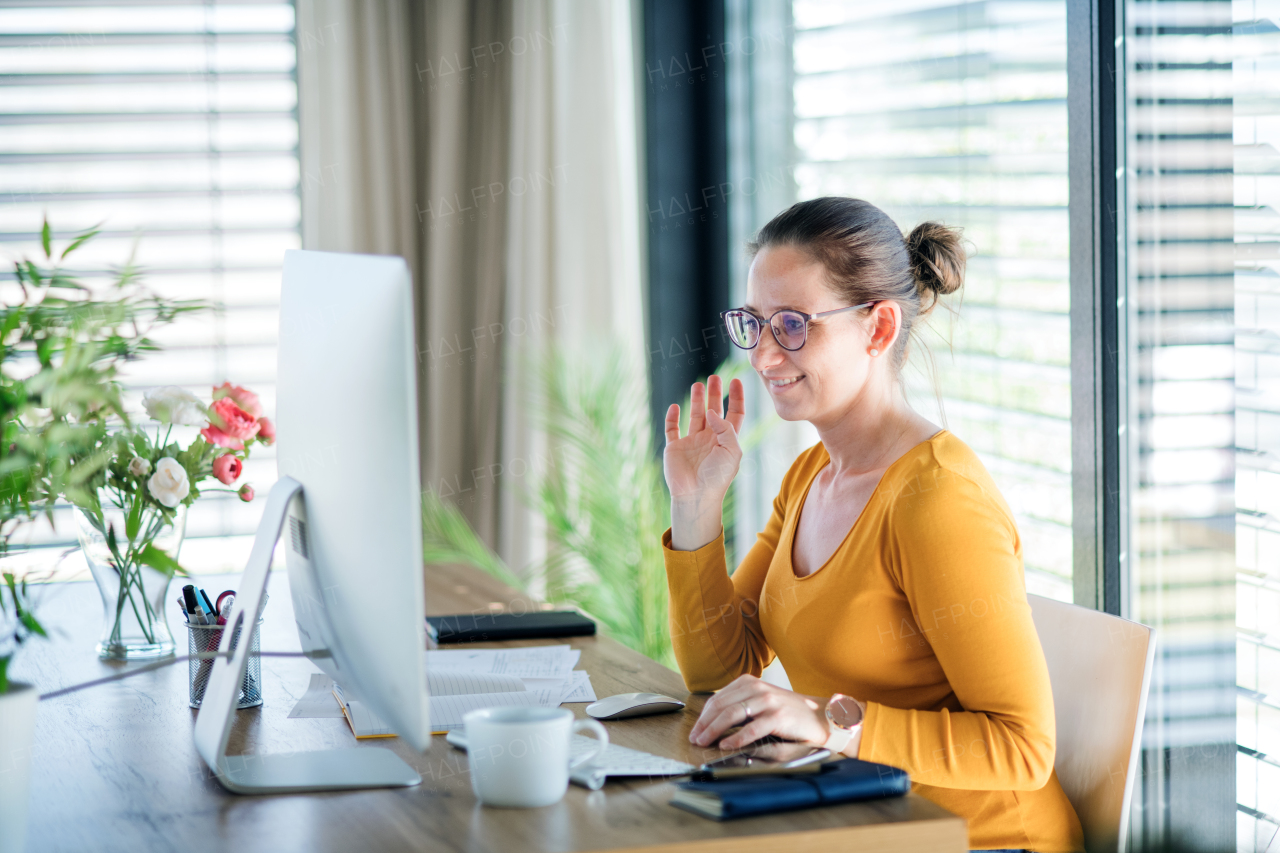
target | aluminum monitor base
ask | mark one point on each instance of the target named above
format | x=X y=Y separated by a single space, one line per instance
x=324 y=770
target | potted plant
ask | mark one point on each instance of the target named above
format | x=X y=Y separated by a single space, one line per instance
x=17 y=713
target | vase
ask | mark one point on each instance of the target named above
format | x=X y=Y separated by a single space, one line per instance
x=17 y=734
x=133 y=594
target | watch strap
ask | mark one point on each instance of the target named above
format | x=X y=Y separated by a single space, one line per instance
x=840 y=738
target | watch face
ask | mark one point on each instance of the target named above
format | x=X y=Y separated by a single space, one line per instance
x=843 y=712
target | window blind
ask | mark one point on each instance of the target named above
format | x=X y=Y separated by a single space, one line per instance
x=957 y=113
x=1256 y=162
x=174 y=126
x=1180 y=567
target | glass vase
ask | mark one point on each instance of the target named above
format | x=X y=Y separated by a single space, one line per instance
x=133 y=594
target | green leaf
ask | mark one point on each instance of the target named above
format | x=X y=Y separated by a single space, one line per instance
x=32 y=625
x=46 y=239
x=79 y=241
x=33 y=273
x=134 y=521
x=160 y=561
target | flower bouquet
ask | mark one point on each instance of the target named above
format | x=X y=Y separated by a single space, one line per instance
x=133 y=518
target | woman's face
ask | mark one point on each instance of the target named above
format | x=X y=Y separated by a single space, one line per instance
x=822 y=379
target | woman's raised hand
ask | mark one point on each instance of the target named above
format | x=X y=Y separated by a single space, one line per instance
x=700 y=465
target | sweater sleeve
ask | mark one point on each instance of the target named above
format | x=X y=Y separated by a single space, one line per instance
x=715 y=619
x=955 y=550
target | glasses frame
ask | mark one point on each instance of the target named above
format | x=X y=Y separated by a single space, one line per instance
x=808 y=318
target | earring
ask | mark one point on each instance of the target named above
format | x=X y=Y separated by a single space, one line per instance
x=874 y=353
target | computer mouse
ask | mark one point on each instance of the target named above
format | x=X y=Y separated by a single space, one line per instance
x=633 y=705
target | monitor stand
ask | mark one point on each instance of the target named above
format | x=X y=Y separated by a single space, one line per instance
x=323 y=770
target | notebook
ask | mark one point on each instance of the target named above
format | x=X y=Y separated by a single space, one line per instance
x=453 y=694
x=843 y=781
x=489 y=627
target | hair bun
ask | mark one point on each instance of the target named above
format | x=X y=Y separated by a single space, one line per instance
x=937 y=258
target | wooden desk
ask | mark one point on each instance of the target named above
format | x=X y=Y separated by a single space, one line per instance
x=115 y=767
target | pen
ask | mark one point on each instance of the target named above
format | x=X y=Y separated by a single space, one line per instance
x=226 y=601
x=207 y=604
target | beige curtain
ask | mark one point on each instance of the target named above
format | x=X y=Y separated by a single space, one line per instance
x=355 y=117
x=493 y=144
x=574 y=265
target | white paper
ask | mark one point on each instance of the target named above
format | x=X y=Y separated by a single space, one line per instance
x=447 y=711
x=364 y=723
x=530 y=662
x=318 y=702
x=579 y=689
x=459 y=682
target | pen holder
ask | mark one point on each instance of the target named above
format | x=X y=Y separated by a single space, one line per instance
x=206 y=638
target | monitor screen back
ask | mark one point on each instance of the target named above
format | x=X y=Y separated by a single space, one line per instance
x=347 y=430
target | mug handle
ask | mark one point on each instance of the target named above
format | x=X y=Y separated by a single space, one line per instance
x=601 y=735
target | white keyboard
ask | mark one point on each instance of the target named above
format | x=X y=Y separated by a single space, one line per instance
x=620 y=761
x=616 y=761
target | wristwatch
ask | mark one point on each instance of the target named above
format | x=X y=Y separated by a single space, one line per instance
x=844 y=717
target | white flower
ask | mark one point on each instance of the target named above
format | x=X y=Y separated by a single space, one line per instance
x=169 y=483
x=173 y=405
x=139 y=467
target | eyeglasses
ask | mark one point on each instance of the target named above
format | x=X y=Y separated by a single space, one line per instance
x=790 y=328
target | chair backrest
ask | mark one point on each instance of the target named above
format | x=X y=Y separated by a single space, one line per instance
x=1100 y=669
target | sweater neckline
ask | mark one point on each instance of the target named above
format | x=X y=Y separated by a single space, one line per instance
x=875 y=493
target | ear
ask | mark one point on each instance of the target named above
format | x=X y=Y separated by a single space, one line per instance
x=886 y=322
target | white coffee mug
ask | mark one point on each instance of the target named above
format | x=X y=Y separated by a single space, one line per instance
x=519 y=756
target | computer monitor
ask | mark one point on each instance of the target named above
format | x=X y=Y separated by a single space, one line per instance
x=348 y=506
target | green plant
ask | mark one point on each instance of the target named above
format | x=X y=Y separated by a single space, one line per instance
x=61 y=345
x=17 y=623
x=603 y=498
x=60 y=350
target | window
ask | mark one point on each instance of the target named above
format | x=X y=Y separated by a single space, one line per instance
x=1256 y=189
x=953 y=112
x=175 y=127
x=1179 y=283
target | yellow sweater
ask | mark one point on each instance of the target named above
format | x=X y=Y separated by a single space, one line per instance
x=921 y=613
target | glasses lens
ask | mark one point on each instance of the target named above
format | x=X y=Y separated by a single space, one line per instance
x=744 y=329
x=790 y=327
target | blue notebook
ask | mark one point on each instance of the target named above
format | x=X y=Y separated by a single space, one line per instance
x=839 y=782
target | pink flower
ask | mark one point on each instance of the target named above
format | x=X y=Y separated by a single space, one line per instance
x=227 y=469
x=266 y=431
x=230 y=425
x=242 y=397
x=246 y=493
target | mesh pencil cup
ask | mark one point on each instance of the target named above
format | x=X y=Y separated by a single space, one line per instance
x=205 y=638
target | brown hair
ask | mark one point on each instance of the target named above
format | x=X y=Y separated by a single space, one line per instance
x=867 y=259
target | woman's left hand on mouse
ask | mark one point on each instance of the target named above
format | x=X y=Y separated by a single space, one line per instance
x=761 y=709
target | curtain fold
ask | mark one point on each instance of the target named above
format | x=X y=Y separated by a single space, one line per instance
x=462 y=100
x=355 y=116
x=573 y=253
x=493 y=145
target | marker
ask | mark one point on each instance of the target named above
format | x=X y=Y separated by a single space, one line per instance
x=189 y=596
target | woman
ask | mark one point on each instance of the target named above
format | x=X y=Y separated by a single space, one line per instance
x=889 y=578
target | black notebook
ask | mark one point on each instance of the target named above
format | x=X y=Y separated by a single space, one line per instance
x=490 y=627
x=843 y=781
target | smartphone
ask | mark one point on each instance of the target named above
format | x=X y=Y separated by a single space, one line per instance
x=765 y=759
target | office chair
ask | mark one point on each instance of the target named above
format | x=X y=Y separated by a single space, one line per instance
x=1100 y=669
